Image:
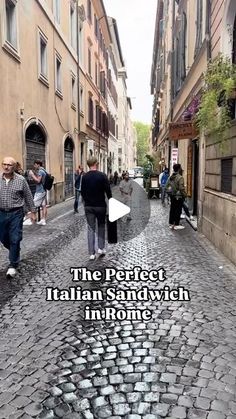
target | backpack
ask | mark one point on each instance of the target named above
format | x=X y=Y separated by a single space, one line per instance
x=164 y=179
x=47 y=181
x=171 y=188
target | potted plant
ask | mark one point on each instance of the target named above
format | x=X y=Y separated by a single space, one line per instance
x=213 y=117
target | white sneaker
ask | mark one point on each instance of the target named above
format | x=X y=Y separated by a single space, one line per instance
x=92 y=257
x=27 y=222
x=179 y=227
x=42 y=222
x=182 y=216
x=11 y=272
x=101 y=251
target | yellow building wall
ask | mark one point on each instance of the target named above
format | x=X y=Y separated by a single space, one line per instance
x=25 y=97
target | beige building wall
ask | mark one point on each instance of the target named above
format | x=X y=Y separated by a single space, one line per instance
x=95 y=27
x=219 y=208
x=28 y=97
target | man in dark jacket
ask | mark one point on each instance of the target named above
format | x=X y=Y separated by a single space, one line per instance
x=78 y=182
x=175 y=188
x=94 y=188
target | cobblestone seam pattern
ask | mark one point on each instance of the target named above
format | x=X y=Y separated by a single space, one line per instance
x=181 y=364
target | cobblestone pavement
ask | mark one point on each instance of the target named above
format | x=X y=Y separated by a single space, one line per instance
x=180 y=364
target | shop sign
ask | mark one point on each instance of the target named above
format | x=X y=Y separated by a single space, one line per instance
x=182 y=130
x=174 y=156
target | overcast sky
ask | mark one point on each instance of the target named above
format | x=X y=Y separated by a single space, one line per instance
x=136 y=21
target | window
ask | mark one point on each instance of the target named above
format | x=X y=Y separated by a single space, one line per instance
x=73 y=91
x=90 y=111
x=226 y=175
x=183 y=46
x=102 y=84
x=11 y=23
x=89 y=61
x=57 y=10
x=95 y=26
x=81 y=98
x=199 y=23
x=72 y=24
x=234 y=43
x=81 y=44
x=43 y=64
x=89 y=10
x=96 y=73
x=98 y=117
x=58 y=82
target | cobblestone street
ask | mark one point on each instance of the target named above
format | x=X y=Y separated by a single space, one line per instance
x=180 y=364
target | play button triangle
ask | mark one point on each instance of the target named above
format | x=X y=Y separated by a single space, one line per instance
x=116 y=209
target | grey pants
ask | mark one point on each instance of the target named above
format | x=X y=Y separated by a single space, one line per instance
x=94 y=214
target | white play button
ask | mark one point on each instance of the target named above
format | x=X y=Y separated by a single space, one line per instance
x=117 y=209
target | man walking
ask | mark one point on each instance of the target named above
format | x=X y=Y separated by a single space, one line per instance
x=78 y=182
x=176 y=190
x=40 y=193
x=14 y=194
x=126 y=189
x=162 y=180
x=94 y=188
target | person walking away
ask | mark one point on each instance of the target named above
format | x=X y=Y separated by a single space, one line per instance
x=115 y=178
x=40 y=193
x=185 y=206
x=175 y=188
x=163 y=179
x=126 y=189
x=14 y=194
x=94 y=189
x=78 y=181
x=123 y=174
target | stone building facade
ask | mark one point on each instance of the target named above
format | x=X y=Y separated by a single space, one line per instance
x=187 y=35
x=59 y=82
x=38 y=67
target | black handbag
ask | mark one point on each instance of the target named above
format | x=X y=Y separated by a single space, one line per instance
x=111 y=231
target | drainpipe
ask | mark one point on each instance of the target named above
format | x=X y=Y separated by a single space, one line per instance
x=172 y=63
x=78 y=75
x=172 y=77
x=208 y=29
x=202 y=143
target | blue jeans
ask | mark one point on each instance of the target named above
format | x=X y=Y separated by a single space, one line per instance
x=94 y=214
x=11 y=225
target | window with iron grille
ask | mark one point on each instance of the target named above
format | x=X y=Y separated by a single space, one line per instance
x=226 y=175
